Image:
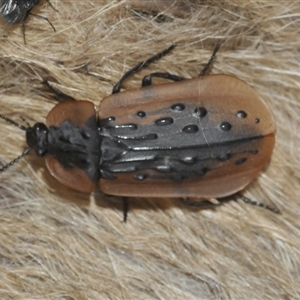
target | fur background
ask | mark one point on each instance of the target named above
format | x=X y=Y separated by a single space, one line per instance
x=60 y=244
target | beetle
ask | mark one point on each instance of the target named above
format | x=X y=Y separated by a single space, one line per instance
x=14 y=11
x=206 y=137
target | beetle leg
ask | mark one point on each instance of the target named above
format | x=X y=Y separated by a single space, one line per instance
x=207 y=204
x=204 y=204
x=139 y=66
x=147 y=80
x=259 y=204
x=61 y=96
x=209 y=63
x=125 y=209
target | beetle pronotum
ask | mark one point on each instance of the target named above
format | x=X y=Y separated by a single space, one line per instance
x=206 y=137
x=14 y=11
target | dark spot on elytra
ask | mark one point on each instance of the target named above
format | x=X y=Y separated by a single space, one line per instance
x=240 y=161
x=111 y=119
x=225 y=126
x=178 y=107
x=241 y=114
x=164 y=121
x=224 y=157
x=141 y=114
x=202 y=171
x=141 y=176
x=190 y=129
x=254 y=152
x=107 y=122
x=200 y=112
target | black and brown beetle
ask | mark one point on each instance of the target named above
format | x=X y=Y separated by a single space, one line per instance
x=206 y=137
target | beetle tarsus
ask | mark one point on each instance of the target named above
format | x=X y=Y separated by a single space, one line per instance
x=259 y=204
x=147 y=80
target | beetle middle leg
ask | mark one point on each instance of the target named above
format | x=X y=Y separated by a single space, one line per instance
x=139 y=66
x=147 y=80
x=125 y=209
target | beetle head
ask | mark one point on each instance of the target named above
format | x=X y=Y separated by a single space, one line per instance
x=37 y=138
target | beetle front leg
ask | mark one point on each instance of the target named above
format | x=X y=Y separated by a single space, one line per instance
x=61 y=96
x=147 y=80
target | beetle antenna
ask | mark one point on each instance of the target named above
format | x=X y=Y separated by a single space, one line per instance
x=24 y=120
x=25 y=152
x=13 y=122
x=5 y=167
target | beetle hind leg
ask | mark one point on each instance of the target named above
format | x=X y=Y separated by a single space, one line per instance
x=259 y=204
x=208 y=204
x=203 y=204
